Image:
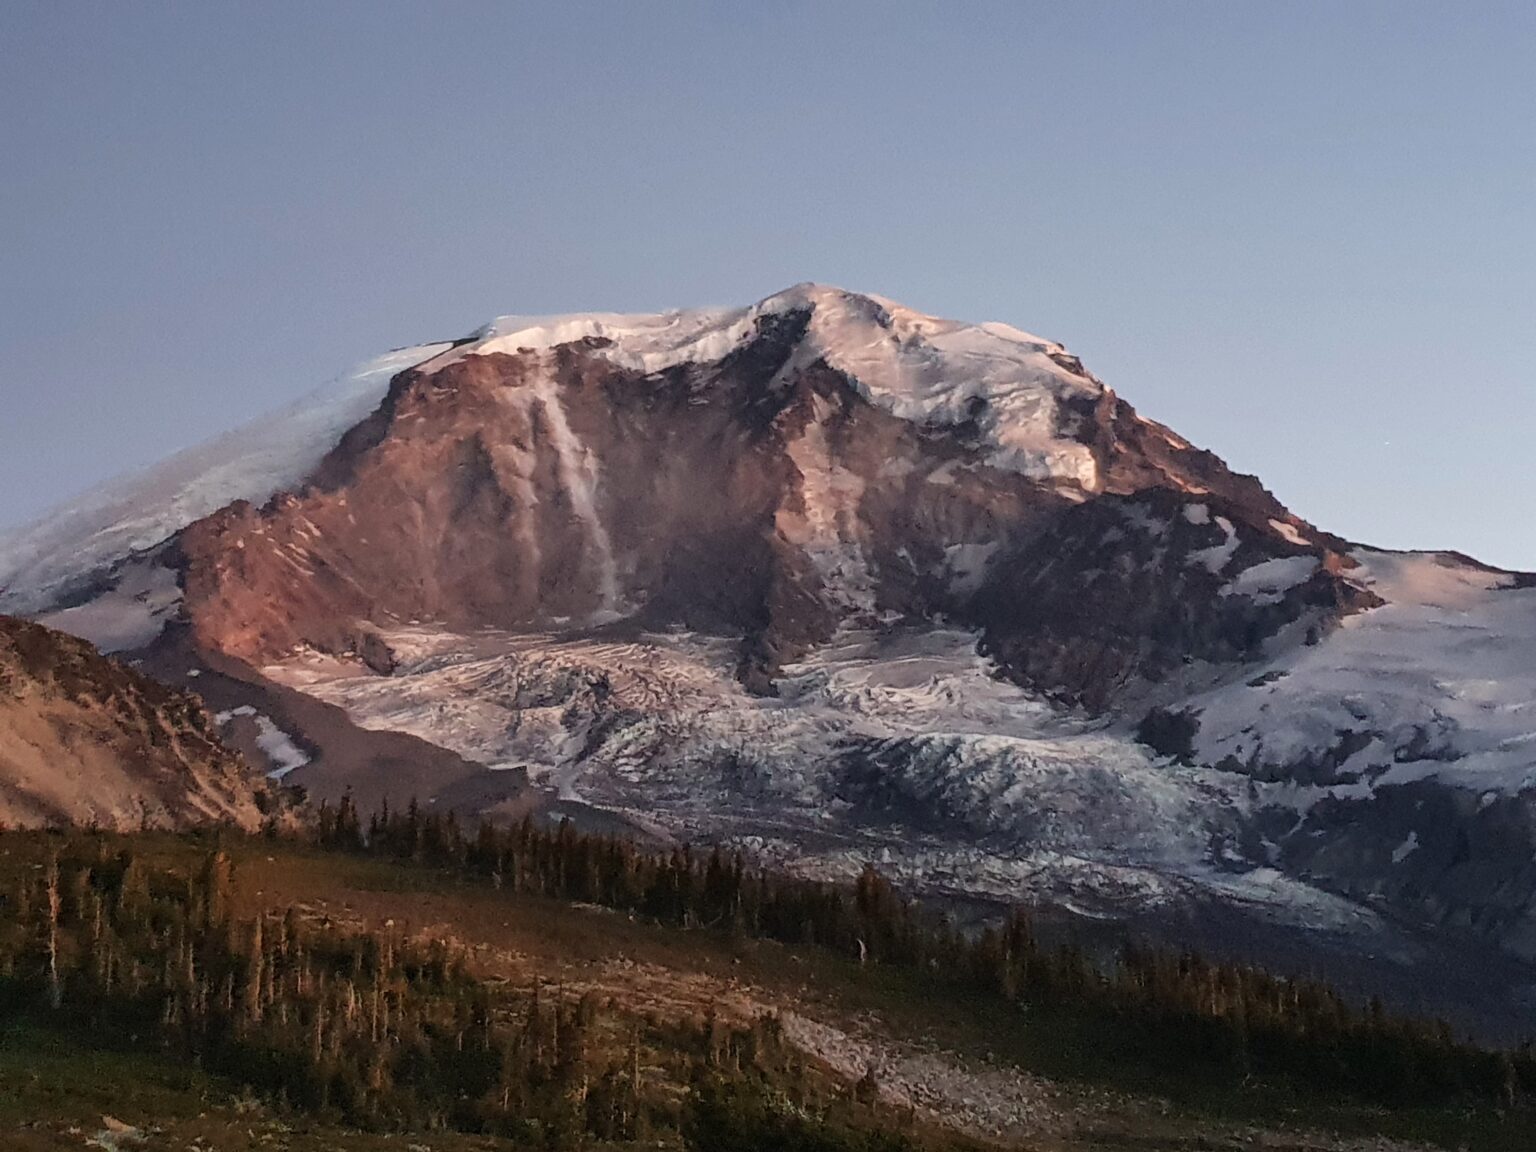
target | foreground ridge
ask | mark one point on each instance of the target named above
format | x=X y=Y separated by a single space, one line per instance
x=320 y=985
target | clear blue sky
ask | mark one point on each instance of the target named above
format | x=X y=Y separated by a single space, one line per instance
x=1303 y=234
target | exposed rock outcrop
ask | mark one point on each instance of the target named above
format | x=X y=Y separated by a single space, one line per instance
x=1128 y=588
x=772 y=494
x=87 y=740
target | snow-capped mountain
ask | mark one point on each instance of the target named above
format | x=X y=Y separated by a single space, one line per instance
x=838 y=580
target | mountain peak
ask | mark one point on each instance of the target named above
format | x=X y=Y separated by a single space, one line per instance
x=654 y=341
x=923 y=369
x=1004 y=382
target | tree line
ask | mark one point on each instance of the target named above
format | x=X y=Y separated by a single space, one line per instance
x=1231 y=1020
x=387 y=1033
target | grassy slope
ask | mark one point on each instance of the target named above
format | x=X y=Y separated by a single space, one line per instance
x=1118 y=1099
x=58 y=1093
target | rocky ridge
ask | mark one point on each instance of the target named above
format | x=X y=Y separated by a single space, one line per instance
x=86 y=740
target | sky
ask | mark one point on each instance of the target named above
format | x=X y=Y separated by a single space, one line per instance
x=1301 y=234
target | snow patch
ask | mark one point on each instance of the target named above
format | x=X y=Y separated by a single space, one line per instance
x=282 y=754
x=1215 y=557
x=1407 y=848
x=1427 y=579
x=1268 y=582
x=1290 y=533
x=131 y=614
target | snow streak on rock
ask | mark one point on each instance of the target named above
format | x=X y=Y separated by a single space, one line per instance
x=579 y=475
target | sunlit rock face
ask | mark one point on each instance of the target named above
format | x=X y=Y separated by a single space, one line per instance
x=86 y=740
x=838 y=459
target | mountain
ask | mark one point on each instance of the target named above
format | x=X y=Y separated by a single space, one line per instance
x=838 y=581
x=87 y=740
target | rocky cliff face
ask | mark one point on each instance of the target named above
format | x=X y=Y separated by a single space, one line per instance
x=87 y=740
x=1126 y=591
x=771 y=494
